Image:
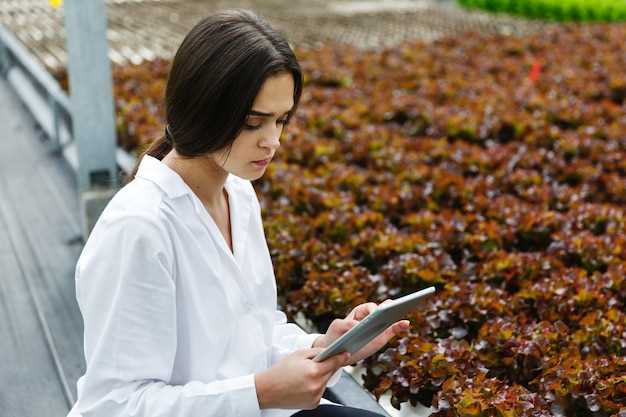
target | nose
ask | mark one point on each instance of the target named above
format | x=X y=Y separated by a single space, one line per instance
x=271 y=138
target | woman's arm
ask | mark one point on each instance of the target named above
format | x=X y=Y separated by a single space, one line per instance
x=289 y=337
x=127 y=298
x=296 y=381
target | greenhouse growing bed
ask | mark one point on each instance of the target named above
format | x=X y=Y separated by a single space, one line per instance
x=492 y=167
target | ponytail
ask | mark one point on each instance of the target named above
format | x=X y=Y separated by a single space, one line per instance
x=157 y=149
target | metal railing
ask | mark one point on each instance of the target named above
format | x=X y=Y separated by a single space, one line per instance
x=45 y=99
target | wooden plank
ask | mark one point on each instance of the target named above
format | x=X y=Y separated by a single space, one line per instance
x=27 y=374
x=40 y=205
x=49 y=238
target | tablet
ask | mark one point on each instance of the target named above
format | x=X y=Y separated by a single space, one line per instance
x=374 y=324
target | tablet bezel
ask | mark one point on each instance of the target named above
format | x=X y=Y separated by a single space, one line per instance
x=371 y=326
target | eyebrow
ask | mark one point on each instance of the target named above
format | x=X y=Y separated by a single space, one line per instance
x=260 y=113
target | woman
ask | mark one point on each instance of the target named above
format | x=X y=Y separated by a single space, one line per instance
x=175 y=283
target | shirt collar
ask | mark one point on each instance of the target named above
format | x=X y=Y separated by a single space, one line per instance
x=241 y=196
x=165 y=178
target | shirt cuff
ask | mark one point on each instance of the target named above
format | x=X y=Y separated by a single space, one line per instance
x=247 y=404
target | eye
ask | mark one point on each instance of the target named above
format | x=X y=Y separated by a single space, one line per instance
x=253 y=124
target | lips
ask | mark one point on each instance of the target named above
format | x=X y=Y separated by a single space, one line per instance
x=262 y=163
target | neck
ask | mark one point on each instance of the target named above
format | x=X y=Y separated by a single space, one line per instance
x=205 y=177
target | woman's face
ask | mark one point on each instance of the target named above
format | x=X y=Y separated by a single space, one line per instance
x=260 y=138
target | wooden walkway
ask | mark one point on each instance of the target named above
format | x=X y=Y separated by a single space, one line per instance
x=41 y=329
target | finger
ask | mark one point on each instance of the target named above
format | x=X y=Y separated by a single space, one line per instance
x=397 y=327
x=364 y=310
x=334 y=362
x=341 y=360
x=308 y=353
x=393 y=330
x=351 y=313
x=350 y=324
x=343 y=325
x=401 y=326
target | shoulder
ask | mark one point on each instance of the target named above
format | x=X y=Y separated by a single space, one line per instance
x=137 y=207
x=140 y=197
x=131 y=231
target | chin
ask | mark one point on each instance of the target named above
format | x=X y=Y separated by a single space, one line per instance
x=249 y=176
x=257 y=176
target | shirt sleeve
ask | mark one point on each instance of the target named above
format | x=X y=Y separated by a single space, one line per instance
x=289 y=337
x=127 y=296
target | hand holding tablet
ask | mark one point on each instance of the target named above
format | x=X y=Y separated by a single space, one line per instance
x=374 y=324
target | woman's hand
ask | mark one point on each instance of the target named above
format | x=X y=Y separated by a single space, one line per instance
x=296 y=381
x=339 y=326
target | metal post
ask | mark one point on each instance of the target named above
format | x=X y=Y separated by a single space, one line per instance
x=91 y=96
x=56 y=115
x=4 y=59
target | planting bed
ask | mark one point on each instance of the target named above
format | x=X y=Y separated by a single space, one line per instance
x=492 y=167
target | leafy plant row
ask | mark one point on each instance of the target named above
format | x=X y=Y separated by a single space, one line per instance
x=557 y=10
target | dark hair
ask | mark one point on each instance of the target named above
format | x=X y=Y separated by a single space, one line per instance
x=215 y=77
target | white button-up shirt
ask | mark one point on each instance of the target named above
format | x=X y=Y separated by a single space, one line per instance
x=175 y=324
